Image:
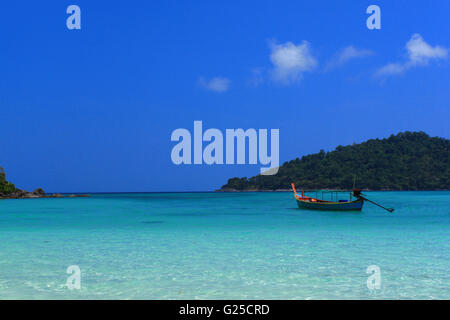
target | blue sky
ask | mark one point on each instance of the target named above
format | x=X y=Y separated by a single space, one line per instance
x=93 y=109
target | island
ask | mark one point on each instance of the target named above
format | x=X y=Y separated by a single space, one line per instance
x=9 y=191
x=406 y=161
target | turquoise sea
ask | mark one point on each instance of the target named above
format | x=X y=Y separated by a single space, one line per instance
x=224 y=246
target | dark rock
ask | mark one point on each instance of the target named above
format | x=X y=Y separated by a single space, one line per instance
x=30 y=195
x=39 y=192
x=20 y=193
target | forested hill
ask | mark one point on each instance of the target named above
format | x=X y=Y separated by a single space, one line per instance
x=5 y=186
x=406 y=161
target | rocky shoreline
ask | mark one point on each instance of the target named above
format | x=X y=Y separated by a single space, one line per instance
x=37 y=194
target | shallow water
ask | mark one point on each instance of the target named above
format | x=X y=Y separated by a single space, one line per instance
x=224 y=246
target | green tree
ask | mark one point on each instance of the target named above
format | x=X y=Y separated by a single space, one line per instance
x=406 y=161
x=5 y=186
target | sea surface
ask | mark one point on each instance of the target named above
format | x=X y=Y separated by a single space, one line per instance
x=224 y=246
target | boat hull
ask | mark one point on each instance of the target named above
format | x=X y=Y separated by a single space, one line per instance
x=331 y=206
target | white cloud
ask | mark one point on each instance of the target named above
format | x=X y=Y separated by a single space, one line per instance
x=419 y=52
x=346 y=54
x=391 y=68
x=216 y=84
x=290 y=61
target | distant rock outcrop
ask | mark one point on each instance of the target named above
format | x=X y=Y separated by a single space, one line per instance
x=9 y=191
x=23 y=194
x=39 y=192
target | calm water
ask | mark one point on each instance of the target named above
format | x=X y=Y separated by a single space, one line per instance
x=224 y=246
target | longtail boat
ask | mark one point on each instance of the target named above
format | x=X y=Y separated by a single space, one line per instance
x=305 y=202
